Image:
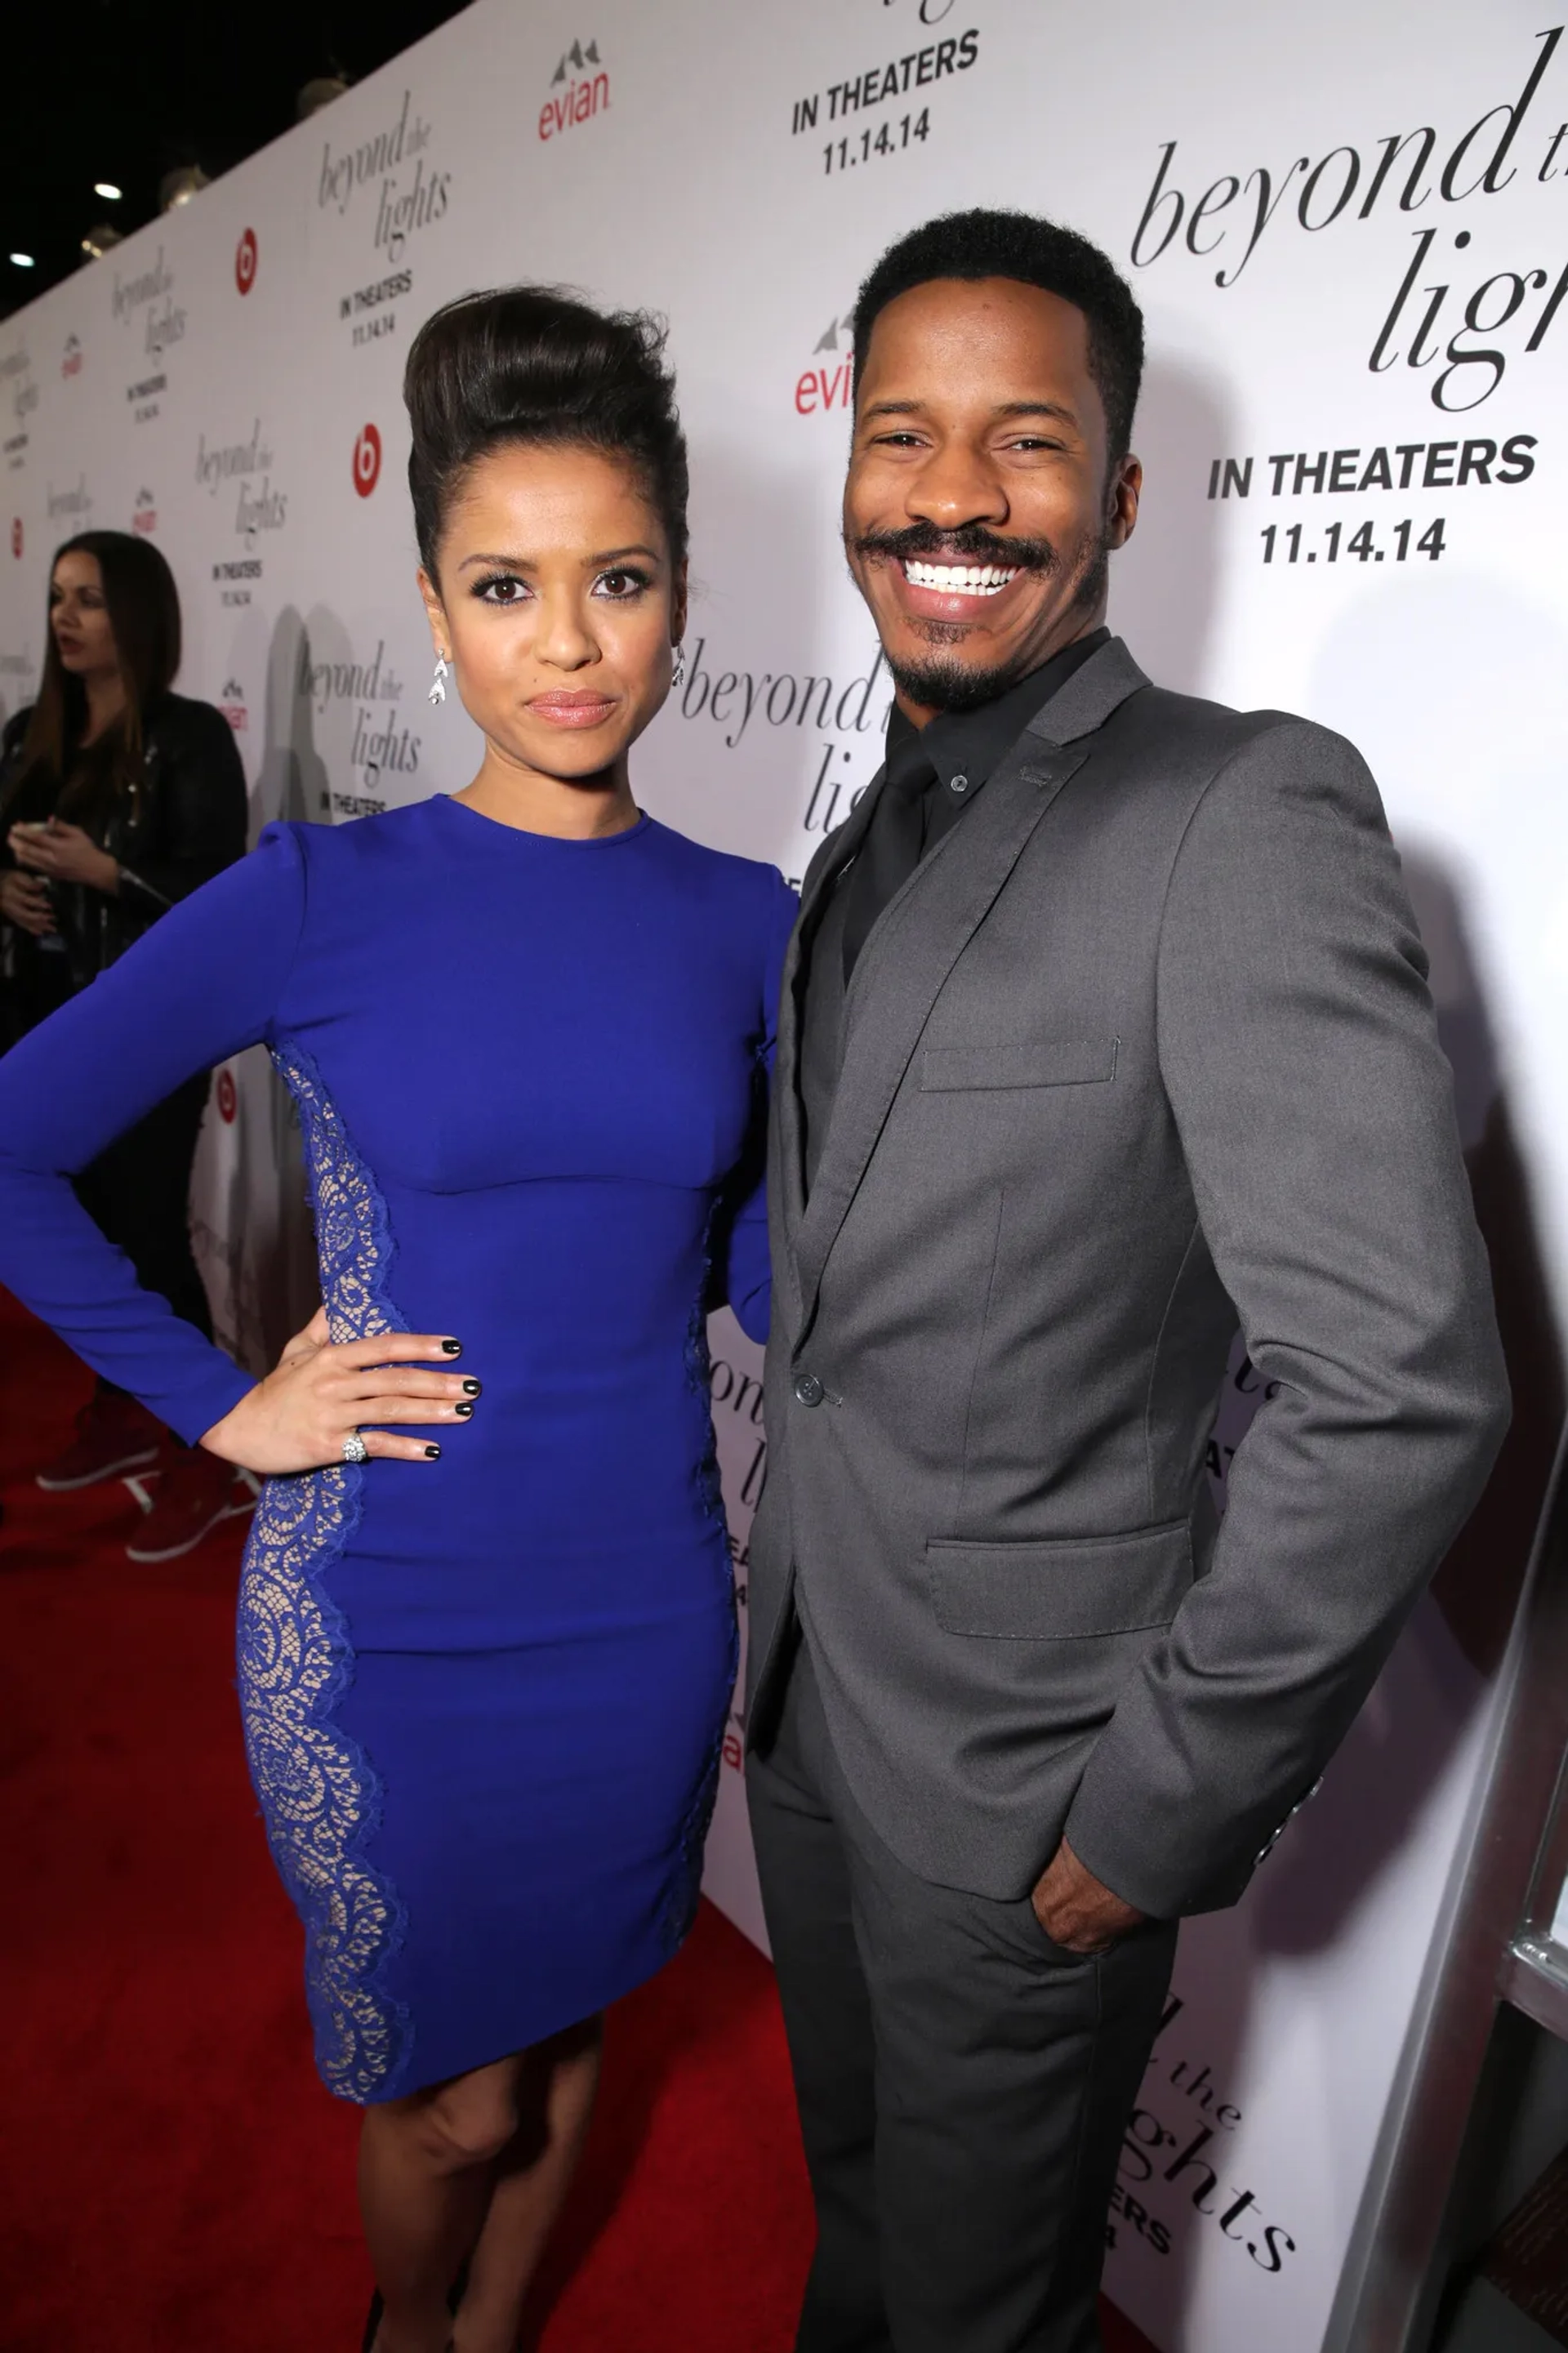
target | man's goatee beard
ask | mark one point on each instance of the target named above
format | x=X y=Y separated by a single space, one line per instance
x=943 y=682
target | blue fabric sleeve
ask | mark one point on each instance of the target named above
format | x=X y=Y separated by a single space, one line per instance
x=201 y=984
x=748 y=1281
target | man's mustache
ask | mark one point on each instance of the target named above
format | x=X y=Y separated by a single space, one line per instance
x=970 y=543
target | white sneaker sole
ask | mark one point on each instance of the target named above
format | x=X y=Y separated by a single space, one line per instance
x=174 y=1552
x=91 y=1478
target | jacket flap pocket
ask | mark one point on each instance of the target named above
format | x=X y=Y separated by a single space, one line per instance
x=1053 y=1592
x=1037 y=1063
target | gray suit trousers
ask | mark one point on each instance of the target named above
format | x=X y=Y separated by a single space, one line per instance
x=964 y=2082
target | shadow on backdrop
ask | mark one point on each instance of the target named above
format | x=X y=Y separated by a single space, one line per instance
x=1430 y=737
x=1164 y=584
x=1421 y=723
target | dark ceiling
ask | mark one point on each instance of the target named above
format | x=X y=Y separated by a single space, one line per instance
x=122 y=91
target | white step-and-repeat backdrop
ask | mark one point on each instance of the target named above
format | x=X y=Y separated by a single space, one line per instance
x=1349 y=229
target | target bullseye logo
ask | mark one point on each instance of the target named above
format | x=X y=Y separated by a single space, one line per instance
x=227 y=1097
x=15 y=535
x=245 y=262
x=367 y=460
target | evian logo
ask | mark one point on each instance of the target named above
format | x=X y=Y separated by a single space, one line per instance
x=233 y=706
x=830 y=381
x=70 y=364
x=145 y=517
x=577 y=92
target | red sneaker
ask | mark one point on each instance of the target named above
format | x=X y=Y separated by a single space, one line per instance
x=113 y=1435
x=194 y=1492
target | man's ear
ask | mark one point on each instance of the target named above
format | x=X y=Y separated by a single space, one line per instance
x=1126 y=488
x=436 y=614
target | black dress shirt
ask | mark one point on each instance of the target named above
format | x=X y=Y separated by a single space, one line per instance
x=934 y=773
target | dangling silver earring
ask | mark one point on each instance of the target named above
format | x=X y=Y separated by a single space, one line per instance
x=679 y=673
x=439 y=690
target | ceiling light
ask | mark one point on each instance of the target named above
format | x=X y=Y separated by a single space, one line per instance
x=318 y=93
x=107 y=189
x=178 y=187
x=97 y=241
x=23 y=261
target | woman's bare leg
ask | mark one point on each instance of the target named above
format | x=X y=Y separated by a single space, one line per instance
x=529 y=2183
x=426 y=2167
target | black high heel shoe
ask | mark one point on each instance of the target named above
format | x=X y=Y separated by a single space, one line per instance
x=373 y=2321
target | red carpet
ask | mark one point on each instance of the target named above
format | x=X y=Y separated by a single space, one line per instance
x=172 y=2176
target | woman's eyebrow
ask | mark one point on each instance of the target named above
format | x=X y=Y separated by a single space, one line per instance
x=530 y=563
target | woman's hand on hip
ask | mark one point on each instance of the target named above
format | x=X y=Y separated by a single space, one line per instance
x=319 y=1395
x=24 y=903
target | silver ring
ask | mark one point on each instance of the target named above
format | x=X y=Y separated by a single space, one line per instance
x=354 y=1448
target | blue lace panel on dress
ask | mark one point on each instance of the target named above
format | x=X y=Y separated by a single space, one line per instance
x=318 y=1790
x=679 y=1907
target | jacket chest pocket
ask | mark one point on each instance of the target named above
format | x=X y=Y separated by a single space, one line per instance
x=1032 y=1063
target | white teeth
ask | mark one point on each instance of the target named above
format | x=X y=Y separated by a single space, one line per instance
x=958 y=579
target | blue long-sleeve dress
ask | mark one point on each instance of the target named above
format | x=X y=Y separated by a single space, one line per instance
x=482 y=1698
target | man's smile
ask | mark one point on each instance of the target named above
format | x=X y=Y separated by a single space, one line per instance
x=959 y=579
x=928 y=591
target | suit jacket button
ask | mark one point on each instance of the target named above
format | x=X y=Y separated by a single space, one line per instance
x=808 y=1389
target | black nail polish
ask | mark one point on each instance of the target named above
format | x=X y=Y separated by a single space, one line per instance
x=451 y=1347
x=470 y=1389
x=463 y=1411
x=433 y=1454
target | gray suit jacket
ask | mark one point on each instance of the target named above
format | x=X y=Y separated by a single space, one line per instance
x=1142 y=1050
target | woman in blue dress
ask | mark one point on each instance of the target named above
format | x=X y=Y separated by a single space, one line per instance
x=486 y=1622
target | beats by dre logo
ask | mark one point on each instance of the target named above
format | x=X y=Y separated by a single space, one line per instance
x=245 y=262
x=367 y=460
x=227 y=1097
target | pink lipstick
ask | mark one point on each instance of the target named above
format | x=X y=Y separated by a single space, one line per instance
x=583 y=709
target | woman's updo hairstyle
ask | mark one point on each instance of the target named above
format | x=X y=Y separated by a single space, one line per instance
x=533 y=365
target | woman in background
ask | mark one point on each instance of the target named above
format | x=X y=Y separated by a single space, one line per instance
x=486 y=1640
x=118 y=798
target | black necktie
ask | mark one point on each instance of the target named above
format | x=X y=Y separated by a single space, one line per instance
x=892 y=848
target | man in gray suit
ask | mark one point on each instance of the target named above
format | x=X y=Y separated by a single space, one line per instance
x=1106 y=1029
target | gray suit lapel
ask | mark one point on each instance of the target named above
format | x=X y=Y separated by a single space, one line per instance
x=1089 y=696
x=912 y=947
x=915 y=944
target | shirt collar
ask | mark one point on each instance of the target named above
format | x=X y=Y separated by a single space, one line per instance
x=969 y=744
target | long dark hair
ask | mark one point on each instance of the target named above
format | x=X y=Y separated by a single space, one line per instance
x=143 y=606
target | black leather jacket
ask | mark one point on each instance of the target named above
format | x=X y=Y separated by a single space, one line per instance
x=186 y=822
